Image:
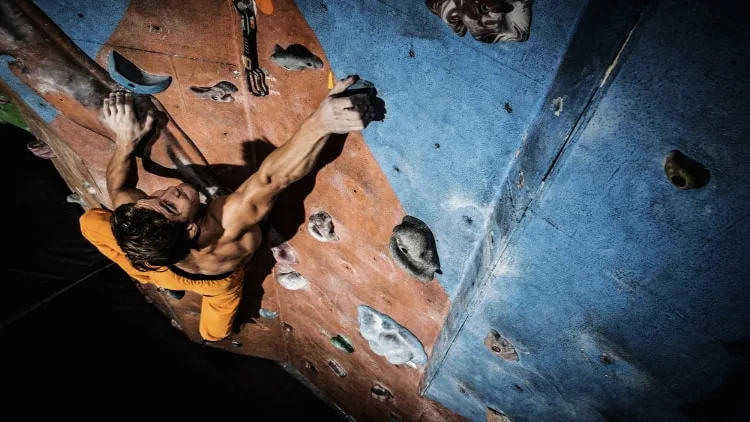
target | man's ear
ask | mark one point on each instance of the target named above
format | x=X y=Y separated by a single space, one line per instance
x=192 y=230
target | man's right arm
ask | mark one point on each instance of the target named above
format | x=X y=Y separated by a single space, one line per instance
x=122 y=172
x=247 y=206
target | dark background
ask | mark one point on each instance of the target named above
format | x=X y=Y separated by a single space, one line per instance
x=77 y=338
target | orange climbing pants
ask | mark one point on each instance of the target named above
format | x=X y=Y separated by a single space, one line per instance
x=221 y=297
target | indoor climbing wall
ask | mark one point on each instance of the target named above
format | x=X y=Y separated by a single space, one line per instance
x=518 y=240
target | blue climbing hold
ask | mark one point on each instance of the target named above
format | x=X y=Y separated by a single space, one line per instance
x=132 y=78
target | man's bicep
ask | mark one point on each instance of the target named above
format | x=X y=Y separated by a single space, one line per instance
x=248 y=206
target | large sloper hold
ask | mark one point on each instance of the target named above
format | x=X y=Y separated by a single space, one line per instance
x=412 y=246
x=388 y=338
x=127 y=74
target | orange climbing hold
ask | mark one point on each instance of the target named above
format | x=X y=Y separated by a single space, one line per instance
x=330 y=80
x=265 y=6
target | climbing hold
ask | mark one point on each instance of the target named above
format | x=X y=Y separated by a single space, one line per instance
x=330 y=80
x=337 y=368
x=392 y=417
x=236 y=343
x=265 y=313
x=295 y=57
x=221 y=92
x=310 y=366
x=685 y=173
x=74 y=198
x=497 y=416
x=88 y=188
x=380 y=393
x=265 y=6
x=500 y=346
x=290 y=279
x=489 y=21
x=388 y=338
x=412 y=246
x=282 y=251
x=41 y=149
x=320 y=226
x=129 y=75
x=342 y=343
x=557 y=105
x=175 y=324
x=288 y=328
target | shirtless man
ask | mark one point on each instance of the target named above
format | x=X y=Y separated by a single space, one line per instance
x=170 y=239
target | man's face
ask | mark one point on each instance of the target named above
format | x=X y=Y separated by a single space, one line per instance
x=177 y=203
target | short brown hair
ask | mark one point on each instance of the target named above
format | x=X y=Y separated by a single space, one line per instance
x=149 y=240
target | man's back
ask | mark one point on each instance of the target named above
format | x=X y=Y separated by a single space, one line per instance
x=218 y=250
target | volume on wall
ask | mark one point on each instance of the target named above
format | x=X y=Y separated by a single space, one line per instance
x=571 y=279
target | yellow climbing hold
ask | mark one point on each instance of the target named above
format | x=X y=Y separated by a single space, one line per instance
x=265 y=6
x=330 y=80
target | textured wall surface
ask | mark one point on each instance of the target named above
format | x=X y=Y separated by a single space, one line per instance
x=625 y=297
x=576 y=282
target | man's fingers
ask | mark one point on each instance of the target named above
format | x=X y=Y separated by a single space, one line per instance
x=343 y=84
x=120 y=102
x=105 y=108
x=150 y=119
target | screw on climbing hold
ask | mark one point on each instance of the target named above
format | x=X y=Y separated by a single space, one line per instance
x=342 y=343
x=685 y=173
x=380 y=393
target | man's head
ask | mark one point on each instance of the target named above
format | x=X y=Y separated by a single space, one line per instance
x=159 y=230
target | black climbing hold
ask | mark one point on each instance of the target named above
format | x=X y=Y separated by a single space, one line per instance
x=380 y=393
x=413 y=247
x=508 y=108
x=342 y=343
x=128 y=74
x=684 y=172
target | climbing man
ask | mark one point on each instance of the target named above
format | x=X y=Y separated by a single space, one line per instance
x=172 y=240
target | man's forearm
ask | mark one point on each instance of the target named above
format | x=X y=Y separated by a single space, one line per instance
x=122 y=172
x=297 y=157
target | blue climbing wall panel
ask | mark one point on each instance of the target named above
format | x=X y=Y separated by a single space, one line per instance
x=625 y=297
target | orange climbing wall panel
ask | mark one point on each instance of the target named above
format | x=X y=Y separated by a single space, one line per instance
x=198 y=43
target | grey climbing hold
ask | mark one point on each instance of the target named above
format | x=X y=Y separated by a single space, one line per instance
x=497 y=416
x=221 y=92
x=265 y=313
x=320 y=226
x=500 y=346
x=412 y=246
x=388 y=338
x=74 y=198
x=290 y=279
x=282 y=251
x=295 y=57
x=133 y=78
